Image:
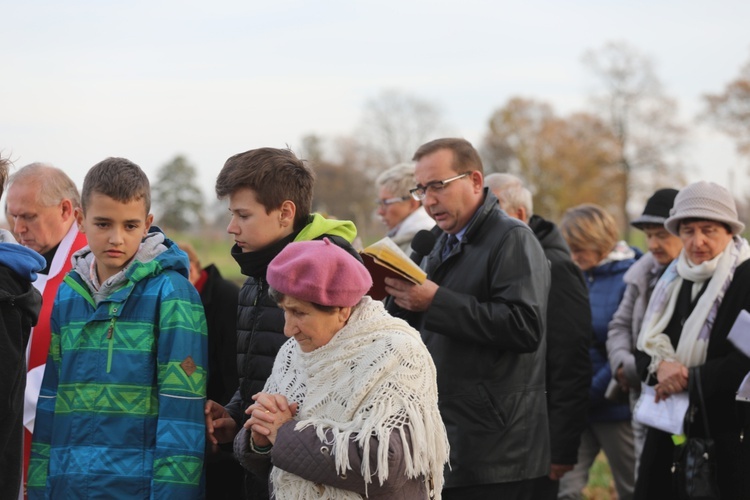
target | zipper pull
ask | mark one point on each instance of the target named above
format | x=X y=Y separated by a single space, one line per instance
x=260 y=291
x=110 y=332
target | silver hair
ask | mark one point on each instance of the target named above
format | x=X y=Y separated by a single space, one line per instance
x=511 y=192
x=54 y=184
x=398 y=179
x=4 y=170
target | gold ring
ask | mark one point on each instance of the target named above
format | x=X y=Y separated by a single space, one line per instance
x=268 y=411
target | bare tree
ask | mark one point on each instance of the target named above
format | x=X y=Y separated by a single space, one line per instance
x=395 y=124
x=564 y=160
x=510 y=144
x=642 y=117
x=729 y=111
x=343 y=188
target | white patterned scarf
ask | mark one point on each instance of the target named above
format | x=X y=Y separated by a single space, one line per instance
x=373 y=378
x=693 y=344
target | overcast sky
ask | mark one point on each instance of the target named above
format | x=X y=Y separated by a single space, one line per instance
x=83 y=80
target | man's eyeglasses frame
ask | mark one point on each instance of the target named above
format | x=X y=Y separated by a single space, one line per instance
x=420 y=192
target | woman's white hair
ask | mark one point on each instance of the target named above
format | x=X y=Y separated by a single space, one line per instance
x=511 y=192
x=398 y=179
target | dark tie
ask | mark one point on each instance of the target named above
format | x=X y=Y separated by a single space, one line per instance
x=449 y=245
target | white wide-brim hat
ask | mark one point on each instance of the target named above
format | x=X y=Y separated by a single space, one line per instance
x=707 y=201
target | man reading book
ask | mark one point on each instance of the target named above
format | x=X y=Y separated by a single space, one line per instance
x=481 y=312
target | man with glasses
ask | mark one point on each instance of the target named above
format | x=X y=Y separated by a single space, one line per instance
x=400 y=212
x=481 y=313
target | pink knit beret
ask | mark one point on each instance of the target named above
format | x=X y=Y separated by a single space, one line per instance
x=319 y=271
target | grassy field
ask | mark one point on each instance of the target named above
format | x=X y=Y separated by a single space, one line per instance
x=213 y=247
x=601 y=486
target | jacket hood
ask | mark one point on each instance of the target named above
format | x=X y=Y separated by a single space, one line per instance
x=156 y=254
x=618 y=261
x=319 y=225
x=256 y=263
x=548 y=234
x=28 y=303
x=25 y=262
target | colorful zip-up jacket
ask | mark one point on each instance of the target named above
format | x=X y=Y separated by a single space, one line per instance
x=120 y=414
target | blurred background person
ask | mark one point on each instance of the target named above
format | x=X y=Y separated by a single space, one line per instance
x=400 y=212
x=692 y=309
x=568 y=333
x=224 y=476
x=591 y=233
x=20 y=303
x=41 y=201
x=640 y=280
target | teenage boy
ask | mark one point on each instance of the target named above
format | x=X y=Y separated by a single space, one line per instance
x=120 y=409
x=270 y=201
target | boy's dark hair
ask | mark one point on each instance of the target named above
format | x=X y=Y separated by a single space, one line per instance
x=118 y=178
x=465 y=157
x=275 y=175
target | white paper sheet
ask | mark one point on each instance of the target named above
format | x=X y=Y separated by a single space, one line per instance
x=743 y=393
x=739 y=335
x=667 y=415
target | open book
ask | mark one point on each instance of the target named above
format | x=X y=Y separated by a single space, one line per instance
x=384 y=259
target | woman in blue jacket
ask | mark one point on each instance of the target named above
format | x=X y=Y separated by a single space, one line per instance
x=591 y=233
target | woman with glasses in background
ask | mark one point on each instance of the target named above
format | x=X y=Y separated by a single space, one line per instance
x=400 y=212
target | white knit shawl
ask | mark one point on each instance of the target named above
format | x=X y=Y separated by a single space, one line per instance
x=374 y=377
x=693 y=344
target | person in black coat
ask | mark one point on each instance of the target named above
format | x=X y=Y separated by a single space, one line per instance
x=224 y=476
x=20 y=304
x=568 y=333
x=270 y=201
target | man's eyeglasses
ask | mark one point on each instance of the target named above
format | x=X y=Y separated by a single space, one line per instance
x=391 y=201
x=419 y=192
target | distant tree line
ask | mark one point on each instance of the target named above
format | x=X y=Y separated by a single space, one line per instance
x=615 y=153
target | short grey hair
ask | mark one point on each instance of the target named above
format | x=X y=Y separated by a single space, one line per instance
x=54 y=184
x=398 y=179
x=511 y=192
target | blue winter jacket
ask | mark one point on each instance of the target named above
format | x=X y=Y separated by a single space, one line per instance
x=120 y=413
x=606 y=289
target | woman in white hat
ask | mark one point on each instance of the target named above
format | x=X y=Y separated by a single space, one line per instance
x=689 y=316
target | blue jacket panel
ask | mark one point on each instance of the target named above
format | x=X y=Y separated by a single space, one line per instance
x=606 y=289
x=120 y=413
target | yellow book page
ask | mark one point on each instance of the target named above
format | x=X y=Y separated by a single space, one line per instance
x=386 y=253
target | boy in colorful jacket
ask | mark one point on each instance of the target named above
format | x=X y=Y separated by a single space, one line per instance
x=120 y=413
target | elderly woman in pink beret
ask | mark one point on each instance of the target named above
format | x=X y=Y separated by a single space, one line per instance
x=350 y=409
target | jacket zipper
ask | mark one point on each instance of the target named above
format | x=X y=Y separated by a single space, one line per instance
x=111 y=339
x=257 y=296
